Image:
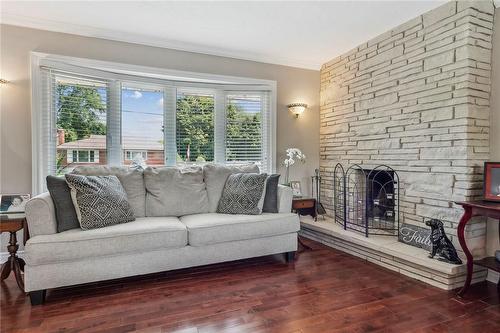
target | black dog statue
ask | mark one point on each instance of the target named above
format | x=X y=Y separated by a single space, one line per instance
x=441 y=245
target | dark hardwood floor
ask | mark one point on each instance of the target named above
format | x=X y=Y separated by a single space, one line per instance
x=323 y=291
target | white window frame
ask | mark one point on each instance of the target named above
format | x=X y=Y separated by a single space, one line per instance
x=75 y=153
x=169 y=79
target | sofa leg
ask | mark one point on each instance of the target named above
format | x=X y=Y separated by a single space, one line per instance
x=290 y=256
x=37 y=297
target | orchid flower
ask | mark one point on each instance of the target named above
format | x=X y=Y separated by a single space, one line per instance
x=293 y=154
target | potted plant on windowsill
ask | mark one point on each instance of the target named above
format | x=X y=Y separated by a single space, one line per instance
x=292 y=155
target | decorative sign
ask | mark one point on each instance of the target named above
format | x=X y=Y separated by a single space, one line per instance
x=415 y=236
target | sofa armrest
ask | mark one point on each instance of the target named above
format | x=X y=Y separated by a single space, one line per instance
x=285 y=196
x=41 y=215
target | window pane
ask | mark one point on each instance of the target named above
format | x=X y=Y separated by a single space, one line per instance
x=81 y=120
x=142 y=125
x=195 y=127
x=83 y=156
x=244 y=128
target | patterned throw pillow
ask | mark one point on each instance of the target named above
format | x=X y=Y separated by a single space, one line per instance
x=242 y=194
x=99 y=201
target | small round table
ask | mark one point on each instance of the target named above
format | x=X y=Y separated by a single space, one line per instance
x=12 y=223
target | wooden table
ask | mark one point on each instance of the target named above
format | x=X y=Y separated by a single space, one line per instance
x=12 y=223
x=305 y=206
x=471 y=209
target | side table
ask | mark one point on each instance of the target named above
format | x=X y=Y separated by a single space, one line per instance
x=304 y=206
x=471 y=209
x=12 y=223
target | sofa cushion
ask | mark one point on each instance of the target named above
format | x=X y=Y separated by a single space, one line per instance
x=143 y=234
x=212 y=228
x=175 y=192
x=215 y=176
x=132 y=181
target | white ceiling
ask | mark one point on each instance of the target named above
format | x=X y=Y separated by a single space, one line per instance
x=296 y=33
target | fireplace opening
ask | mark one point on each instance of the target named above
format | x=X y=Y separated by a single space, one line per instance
x=366 y=200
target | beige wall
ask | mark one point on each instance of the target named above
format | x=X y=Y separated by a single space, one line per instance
x=492 y=242
x=294 y=85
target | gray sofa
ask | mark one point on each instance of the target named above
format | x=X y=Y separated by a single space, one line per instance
x=152 y=243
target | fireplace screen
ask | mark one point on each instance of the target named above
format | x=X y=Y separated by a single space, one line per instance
x=367 y=200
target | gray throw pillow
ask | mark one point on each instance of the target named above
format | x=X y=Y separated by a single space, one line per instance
x=99 y=201
x=271 y=198
x=65 y=210
x=242 y=194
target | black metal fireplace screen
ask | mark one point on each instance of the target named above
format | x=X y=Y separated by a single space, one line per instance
x=366 y=200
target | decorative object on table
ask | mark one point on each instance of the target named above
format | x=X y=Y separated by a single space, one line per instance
x=491 y=184
x=12 y=223
x=293 y=154
x=441 y=245
x=243 y=194
x=296 y=188
x=99 y=201
x=13 y=203
x=297 y=108
x=316 y=181
x=415 y=236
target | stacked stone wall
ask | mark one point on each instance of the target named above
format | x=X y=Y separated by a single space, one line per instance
x=417 y=99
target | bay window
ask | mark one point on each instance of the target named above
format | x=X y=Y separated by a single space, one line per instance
x=90 y=115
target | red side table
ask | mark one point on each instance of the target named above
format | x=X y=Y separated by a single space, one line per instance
x=471 y=209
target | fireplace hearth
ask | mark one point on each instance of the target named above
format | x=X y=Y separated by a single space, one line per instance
x=366 y=200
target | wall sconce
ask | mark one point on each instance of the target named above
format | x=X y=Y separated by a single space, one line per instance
x=297 y=108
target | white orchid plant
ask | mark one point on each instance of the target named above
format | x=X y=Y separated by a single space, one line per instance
x=292 y=155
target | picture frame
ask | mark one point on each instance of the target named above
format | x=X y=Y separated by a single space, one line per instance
x=13 y=203
x=491 y=185
x=296 y=188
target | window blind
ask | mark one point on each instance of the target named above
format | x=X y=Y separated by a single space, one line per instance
x=74 y=121
x=88 y=118
x=143 y=124
x=246 y=128
x=195 y=126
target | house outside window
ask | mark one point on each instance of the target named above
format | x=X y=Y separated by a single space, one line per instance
x=82 y=156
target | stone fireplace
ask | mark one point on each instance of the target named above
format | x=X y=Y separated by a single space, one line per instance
x=416 y=98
